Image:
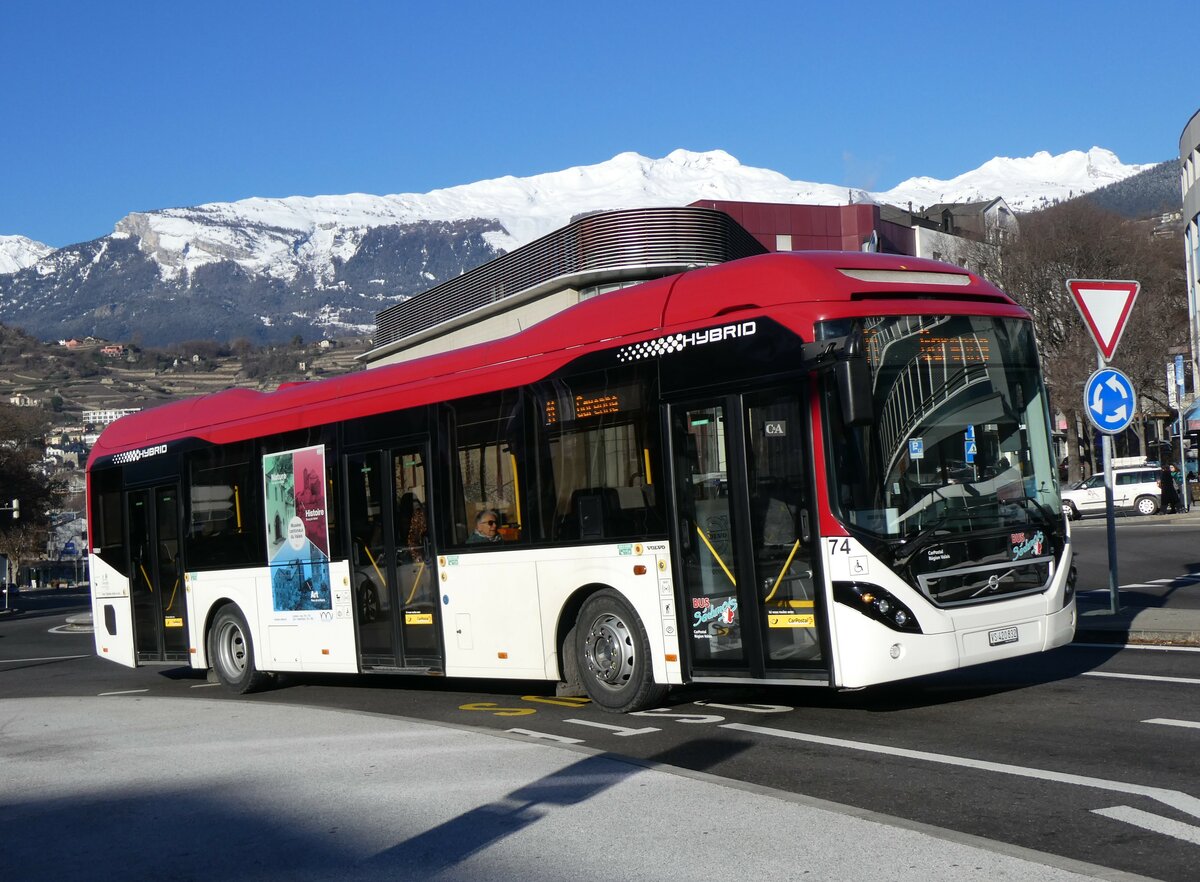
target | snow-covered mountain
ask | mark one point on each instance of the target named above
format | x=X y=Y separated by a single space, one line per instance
x=18 y=252
x=287 y=238
x=270 y=268
x=1027 y=183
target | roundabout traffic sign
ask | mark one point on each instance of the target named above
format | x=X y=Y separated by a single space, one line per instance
x=1109 y=400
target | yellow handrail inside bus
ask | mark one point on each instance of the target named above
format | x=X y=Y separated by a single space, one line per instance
x=416 y=584
x=646 y=456
x=146 y=576
x=732 y=580
x=375 y=566
x=174 y=588
x=237 y=506
x=786 y=564
x=516 y=488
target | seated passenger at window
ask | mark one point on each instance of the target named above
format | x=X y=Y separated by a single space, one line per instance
x=417 y=529
x=487 y=528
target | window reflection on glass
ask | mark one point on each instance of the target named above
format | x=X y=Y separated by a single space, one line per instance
x=961 y=437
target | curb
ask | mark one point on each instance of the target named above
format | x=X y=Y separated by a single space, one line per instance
x=1118 y=636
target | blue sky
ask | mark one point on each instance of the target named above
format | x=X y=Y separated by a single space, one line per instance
x=128 y=106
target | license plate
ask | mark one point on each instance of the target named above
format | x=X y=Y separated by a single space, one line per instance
x=1001 y=636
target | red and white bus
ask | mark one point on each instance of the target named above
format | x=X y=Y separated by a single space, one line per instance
x=827 y=469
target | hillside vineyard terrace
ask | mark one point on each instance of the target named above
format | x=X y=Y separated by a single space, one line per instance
x=813 y=469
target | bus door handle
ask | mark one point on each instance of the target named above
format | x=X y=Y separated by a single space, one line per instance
x=805 y=531
x=685 y=535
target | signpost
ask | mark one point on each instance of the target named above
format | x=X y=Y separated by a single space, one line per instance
x=1108 y=396
x=1185 y=496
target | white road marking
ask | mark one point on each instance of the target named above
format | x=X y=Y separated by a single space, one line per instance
x=16 y=661
x=1191 y=680
x=749 y=708
x=623 y=731
x=1186 y=724
x=126 y=692
x=545 y=736
x=1150 y=646
x=1152 y=822
x=1174 y=798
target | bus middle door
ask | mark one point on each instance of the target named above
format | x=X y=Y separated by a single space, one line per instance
x=750 y=605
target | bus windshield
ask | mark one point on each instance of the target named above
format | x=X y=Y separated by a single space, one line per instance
x=961 y=436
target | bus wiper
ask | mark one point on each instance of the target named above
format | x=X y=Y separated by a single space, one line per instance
x=1044 y=510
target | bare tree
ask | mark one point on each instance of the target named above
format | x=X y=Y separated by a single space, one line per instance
x=22 y=434
x=1077 y=240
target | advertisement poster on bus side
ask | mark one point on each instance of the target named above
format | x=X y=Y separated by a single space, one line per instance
x=297 y=532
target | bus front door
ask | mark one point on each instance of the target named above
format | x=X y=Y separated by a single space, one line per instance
x=392 y=563
x=741 y=476
x=156 y=577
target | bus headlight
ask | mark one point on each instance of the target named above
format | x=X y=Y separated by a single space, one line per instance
x=878 y=604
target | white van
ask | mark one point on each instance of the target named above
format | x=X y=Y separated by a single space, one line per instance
x=1133 y=488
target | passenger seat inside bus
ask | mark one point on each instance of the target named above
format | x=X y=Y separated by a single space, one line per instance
x=595 y=513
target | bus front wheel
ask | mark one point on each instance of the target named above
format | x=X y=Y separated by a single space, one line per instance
x=231 y=652
x=614 y=655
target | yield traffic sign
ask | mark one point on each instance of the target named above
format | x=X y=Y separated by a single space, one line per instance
x=1105 y=305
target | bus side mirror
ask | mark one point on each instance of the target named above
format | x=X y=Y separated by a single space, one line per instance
x=855 y=390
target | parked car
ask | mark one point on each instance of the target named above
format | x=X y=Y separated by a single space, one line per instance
x=1133 y=488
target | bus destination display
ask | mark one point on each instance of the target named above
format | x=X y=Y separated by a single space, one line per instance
x=589 y=405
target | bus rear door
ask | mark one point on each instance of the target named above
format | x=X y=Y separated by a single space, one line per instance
x=745 y=549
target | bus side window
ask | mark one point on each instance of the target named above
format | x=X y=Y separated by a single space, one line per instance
x=108 y=530
x=222 y=526
x=487 y=473
x=598 y=433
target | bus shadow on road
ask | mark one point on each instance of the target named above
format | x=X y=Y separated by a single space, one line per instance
x=966 y=684
x=403 y=693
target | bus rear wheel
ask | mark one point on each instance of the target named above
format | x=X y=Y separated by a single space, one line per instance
x=231 y=652
x=614 y=655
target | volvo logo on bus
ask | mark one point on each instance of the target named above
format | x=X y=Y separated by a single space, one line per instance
x=678 y=342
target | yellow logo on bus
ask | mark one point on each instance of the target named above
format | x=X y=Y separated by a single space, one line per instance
x=173 y=622
x=791 y=620
x=418 y=618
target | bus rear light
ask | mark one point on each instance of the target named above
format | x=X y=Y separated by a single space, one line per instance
x=876 y=603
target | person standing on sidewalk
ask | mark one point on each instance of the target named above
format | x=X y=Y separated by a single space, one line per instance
x=1168 y=492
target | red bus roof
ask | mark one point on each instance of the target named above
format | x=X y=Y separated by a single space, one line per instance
x=815 y=285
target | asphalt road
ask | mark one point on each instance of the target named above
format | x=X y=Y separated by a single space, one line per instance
x=1158 y=559
x=1084 y=753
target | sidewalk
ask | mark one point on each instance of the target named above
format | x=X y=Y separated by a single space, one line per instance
x=1134 y=624
x=256 y=790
